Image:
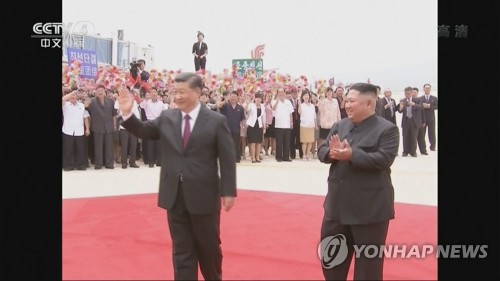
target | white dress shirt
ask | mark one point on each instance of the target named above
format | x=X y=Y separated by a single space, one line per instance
x=152 y=108
x=74 y=115
x=282 y=113
x=135 y=111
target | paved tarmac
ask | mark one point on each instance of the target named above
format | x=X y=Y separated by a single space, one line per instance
x=414 y=179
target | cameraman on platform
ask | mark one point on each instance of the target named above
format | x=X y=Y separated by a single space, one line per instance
x=137 y=69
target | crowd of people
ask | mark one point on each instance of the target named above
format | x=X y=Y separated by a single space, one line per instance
x=275 y=116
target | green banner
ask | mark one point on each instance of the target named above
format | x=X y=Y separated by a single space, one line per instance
x=246 y=64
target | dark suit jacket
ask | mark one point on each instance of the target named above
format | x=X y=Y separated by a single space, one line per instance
x=428 y=113
x=416 y=112
x=387 y=111
x=101 y=116
x=210 y=141
x=379 y=109
x=196 y=48
x=360 y=191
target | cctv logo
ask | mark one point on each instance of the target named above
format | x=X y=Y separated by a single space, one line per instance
x=50 y=28
x=50 y=34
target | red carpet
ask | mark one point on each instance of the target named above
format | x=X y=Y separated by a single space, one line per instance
x=266 y=235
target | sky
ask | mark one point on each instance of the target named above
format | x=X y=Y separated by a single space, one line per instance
x=391 y=42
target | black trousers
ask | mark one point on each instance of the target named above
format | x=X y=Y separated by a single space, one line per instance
x=362 y=234
x=195 y=239
x=431 y=131
x=128 y=143
x=237 y=145
x=199 y=63
x=410 y=132
x=152 y=151
x=295 y=140
x=282 y=144
x=74 y=152
x=145 y=155
x=90 y=147
x=103 y=148
x=421 y=140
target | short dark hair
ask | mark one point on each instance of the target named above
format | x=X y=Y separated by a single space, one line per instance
x=415 y=89
x=205 y=87
x=235 y=93
x=194 y=81
x=408 y=89
x=364 y=88
x=100 y=86
x=378 y=87
x=141 y=60
x=258 y=95
x=427 y=84
x=329 y=89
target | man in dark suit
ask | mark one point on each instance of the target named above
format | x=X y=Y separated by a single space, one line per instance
x=389 y=105
x=379 y=108
x=429 y=105
x=295 y=133
x=410 y=122
x=194 y=142
x=200 y=52
x=102 y=124
x=421 y=130
x=360 y=198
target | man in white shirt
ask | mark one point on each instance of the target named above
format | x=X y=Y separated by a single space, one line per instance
x=283 y=110
x=128 y=142
x=153 y=108
x=75 y=117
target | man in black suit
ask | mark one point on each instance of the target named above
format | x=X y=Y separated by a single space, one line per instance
x=194 y=142
x=421 y=130
x=102 y=124
x=410 y=122
x=295 y=133
x=389 y=105
x=429 y=105
x=200 y=52
x=360 y=198
x=379 y=108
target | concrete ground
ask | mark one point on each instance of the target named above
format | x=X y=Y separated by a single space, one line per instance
x=414 y=179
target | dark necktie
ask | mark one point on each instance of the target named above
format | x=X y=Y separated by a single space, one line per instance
x=408 y=110
x=187 y=131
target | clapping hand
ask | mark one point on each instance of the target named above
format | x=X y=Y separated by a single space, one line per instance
x=339 y=150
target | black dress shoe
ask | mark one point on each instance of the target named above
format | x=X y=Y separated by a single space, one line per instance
x=98 y=167
x=405 y=155
x=433 y=149
x=287 y=160
x=279 y=160
x=424 y=153
x=413 y=155
x=110 y=167
x=151 y=165
x=82 y=168
x=69 y=169
x=134 y=166
x=237 y=161
x=124 y=166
